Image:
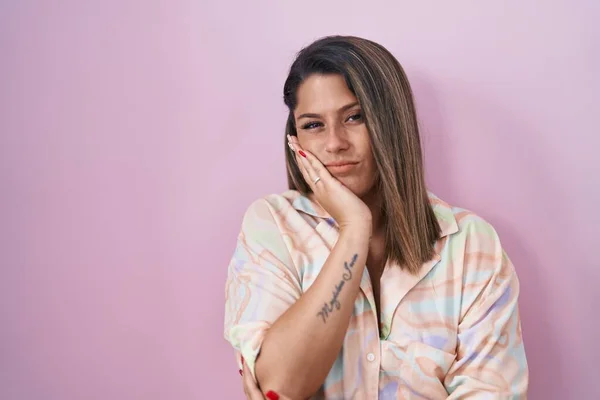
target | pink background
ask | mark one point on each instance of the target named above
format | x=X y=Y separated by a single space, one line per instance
x=133 y=135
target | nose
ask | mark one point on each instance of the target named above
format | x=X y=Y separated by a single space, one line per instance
x=337 y=139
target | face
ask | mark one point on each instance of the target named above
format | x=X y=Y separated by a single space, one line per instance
x=330 y=124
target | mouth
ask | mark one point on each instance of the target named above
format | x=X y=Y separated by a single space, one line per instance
x=341 y=167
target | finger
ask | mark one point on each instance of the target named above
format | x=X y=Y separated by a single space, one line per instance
x=315 y=167
x=300 y=160
x=295 y=148
x=315 y=172
x=250 y=386
x=246 y=389
x=311 y=167
x=296 y=158
x=244 y=383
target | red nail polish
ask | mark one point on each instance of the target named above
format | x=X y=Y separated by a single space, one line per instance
x=241 y=372
x=242 y=361
x=271 y=395
x=303 y=154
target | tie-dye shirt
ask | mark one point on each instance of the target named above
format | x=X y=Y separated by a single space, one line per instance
x=450 y=332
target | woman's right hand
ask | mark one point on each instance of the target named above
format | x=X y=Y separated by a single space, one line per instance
x=346 y=208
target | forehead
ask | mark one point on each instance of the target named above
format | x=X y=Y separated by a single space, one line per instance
x=323 y=94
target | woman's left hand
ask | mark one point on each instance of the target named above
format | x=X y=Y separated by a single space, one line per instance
x=252 y=390
x=250 y=387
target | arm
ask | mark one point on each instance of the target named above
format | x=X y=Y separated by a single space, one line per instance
x=289 y=339
x=490 y=353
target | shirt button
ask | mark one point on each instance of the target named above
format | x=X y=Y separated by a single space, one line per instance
x=371 y=357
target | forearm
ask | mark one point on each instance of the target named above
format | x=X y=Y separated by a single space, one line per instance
x=301 y=346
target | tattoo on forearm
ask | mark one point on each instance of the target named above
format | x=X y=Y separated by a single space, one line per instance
x=334 y=303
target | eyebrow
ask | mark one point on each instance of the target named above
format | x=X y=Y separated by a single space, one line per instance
x=342 y=109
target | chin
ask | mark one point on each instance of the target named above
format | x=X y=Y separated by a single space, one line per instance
x=359 y=188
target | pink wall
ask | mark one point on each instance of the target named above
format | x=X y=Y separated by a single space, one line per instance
x=134 y=134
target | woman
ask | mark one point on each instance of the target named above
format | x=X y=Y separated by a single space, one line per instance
x=358 y=283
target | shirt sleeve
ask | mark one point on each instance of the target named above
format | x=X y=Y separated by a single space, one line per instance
x=490 y=357
x=262 y=283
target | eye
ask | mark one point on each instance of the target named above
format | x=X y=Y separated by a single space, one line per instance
x=312 y=125
x=355 y=117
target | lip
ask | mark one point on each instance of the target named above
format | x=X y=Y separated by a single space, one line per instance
x=340 y=163
x=341 y=167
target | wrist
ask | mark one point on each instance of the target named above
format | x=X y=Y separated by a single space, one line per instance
x=358 y=230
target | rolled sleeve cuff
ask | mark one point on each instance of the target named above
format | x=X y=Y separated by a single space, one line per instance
x=247 y=340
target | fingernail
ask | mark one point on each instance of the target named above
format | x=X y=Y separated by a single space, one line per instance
x=303 y=154
x=242 y=361
x=241 y=372
x=271 y=395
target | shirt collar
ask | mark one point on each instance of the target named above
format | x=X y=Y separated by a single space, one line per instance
x=442 y=210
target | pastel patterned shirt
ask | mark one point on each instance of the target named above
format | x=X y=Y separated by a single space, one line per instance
x=450 y=332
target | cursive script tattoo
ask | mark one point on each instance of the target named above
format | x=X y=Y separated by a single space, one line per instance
x=334 y=303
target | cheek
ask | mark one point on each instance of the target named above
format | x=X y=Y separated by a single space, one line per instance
x=370 y=175
x=371 y=171
x=313 y=146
